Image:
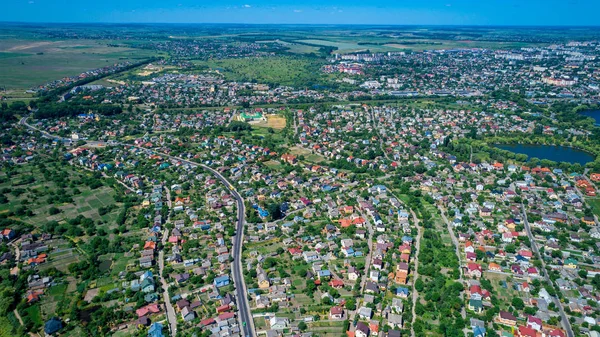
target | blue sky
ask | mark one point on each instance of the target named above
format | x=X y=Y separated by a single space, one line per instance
x=400 y=12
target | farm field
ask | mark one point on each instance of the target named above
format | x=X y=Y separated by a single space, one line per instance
x=360 y=43
x=295 y=48
x=27 y=63
x=33 y=196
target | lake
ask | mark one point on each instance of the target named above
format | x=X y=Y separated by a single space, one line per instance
x=595 y=114
x=550 y=152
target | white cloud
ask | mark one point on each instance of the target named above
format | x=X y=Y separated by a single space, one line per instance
x=247 y=6
x=297 y=11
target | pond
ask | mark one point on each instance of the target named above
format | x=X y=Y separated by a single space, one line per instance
x=550 y=152
x=595 y=114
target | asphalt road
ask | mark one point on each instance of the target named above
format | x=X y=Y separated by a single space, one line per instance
x=240 y=286
x=236 y=268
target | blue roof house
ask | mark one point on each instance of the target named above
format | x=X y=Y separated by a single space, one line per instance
x=155 y=330
x=221 y=281
x=52 y=326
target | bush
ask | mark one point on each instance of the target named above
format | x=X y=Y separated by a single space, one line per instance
x=302 y=326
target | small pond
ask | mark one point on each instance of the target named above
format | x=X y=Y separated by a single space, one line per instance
x=550 y=152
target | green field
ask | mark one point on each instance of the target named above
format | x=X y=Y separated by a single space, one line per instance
x=35 y=195
x=34 y=313
x=57 y=291
x=594 y=204
x=293 y=71
x=28 y=63
x=356 y=44
x=6 y=55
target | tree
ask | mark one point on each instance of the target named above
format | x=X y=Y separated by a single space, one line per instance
x=518 y=303
x=302 y=326
x=351 y=304
x=596 y=281
x=480 y=254
x=419 y=285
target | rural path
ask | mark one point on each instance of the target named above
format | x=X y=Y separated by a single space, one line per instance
x=415 y=276
x=16 y=312
x=295 y=124
x=381 y=133
x=169 y=202
x=16 y=269
x=564 y=319
x=363 y=278
x=450 y=228
x=171 y=315
x=120 y=182
x=415 y=295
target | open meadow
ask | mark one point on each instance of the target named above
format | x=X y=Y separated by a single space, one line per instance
x=27 y=63
x=282 y=70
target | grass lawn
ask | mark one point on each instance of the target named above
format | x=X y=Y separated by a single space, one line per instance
x=329 y=324
x=505 y=295
x=594 y=204
x=119 y=264
x=34 y=313
x=259 y=323
x=308 y=155
x=304 y=300
x=315 y=158
x=299 y=283
x=103 y=281
x=58 y=290
x=273 y=164
x=62 y=263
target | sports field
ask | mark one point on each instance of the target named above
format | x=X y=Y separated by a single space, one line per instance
x=276 y=122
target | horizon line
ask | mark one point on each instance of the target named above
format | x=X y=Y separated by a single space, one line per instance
x=299 y=24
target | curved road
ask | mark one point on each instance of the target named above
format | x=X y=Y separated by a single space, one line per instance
x=236 y=268
x=243 y=305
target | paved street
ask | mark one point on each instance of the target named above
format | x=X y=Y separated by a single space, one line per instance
x=247 y=324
